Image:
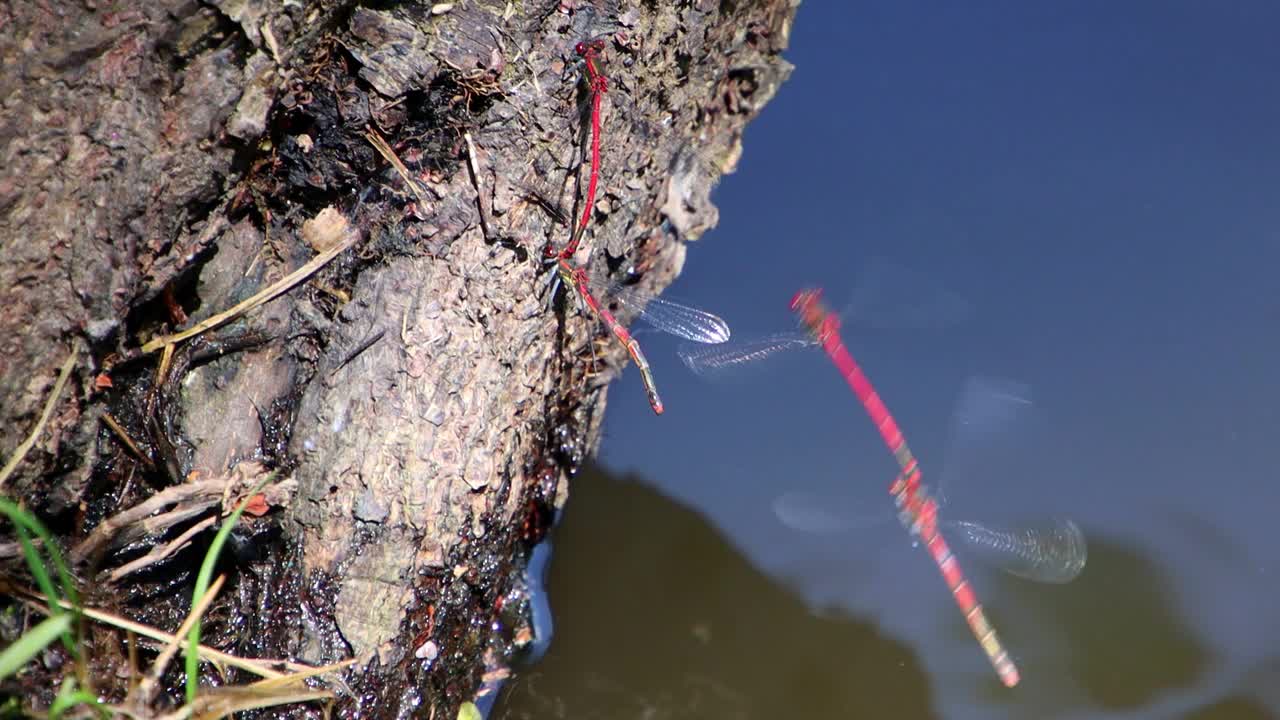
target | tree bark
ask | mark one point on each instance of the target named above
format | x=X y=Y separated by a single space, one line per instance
x=417 y=398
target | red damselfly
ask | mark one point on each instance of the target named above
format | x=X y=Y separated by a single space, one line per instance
x=886 y=296
x=670 y=317
x=597 y=85
x=916 y=505
x=1049 y=550
x=1053 y=550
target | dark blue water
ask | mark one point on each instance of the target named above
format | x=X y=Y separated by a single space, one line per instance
x=1101 y=182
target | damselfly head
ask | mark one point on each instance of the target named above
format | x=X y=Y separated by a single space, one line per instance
x=589 y=47
x=803 y=299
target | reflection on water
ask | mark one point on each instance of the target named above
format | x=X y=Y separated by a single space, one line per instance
x=1235 y=708
x=1125 y=652
x=657 y=616
x=1114 y=644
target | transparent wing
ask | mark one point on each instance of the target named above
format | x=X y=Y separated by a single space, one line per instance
x=727 y=358
x=987 y=417
x=1052 y=552
x=887 y=296
x=685 y=322
x=819 y=514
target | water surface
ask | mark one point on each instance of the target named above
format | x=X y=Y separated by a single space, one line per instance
x=1099 y=181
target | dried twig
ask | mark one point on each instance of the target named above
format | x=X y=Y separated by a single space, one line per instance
x=474 y=166
x=359 y=349
x=188 y=500
x=224 y=702
x=276 y=688
x=160 y=552
x=144 y=692
x=257 y=666
x=198 y=496
x=162 y=368
x=123 y=434
x=14 y=549
x=384 y=149
x=304 y=674
x=25 y=447
x=276 y=289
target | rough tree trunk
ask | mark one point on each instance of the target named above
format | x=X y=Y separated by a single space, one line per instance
x=163 y=161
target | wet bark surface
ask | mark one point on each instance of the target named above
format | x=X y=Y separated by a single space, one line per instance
x=416 y=404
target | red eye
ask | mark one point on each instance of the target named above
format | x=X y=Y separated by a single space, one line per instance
x=580 y=48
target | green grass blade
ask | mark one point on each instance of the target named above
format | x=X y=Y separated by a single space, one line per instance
x=39 y=572
x=69 y=696
x=26 y=519
x=203 y=579
x=32 y=642
x=24 y=524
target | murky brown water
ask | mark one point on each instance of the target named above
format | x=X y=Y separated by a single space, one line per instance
x=657 y=616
